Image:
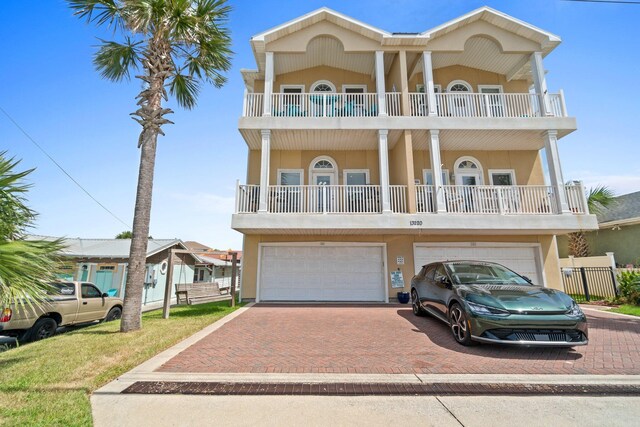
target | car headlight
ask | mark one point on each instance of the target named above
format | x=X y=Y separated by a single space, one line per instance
x=485 y=309
x=574 y=311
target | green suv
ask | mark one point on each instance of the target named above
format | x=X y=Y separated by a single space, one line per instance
x=487 y=302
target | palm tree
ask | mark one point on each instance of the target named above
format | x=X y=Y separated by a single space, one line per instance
x=178 y=44
x=26 y=265
x=598 y=199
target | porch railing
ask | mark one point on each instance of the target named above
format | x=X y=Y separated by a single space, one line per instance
x=324 y=199
x=324 y=104
x=398 y=196
x=488 y=199
x=253 y=105
x=478 y=199
x=393 y=102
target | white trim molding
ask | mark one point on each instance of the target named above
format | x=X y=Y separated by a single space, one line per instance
x=313 y=86
x=457 y=170
x=333 y=171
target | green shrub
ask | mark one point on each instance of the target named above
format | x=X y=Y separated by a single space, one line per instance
x=629 y=285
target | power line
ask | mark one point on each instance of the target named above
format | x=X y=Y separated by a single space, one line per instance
x=605 y=1
x=62 y=169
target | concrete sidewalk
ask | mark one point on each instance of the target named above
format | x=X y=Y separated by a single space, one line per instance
x=112 y=408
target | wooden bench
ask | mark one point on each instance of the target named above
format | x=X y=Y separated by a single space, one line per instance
x=199 y=293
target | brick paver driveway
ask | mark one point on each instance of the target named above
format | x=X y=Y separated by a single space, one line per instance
x=389 y=339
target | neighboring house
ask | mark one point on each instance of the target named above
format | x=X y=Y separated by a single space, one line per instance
x=619 y=231
x=372 y=153
x=104 y=262
x=213 y=265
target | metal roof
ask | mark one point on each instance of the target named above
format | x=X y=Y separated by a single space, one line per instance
x=108 y=248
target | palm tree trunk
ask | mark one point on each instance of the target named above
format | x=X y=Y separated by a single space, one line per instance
x=150 y=113
x=132 y=310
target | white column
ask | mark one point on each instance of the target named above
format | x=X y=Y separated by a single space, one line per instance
x=540 y=82
x=555 y=171
x=264 y=170
x=436 y=170
x=380 y=86
x=429 y=87
x=383 y=154
x=268 y=83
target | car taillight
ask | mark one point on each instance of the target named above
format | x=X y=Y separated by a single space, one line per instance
x=6 y=315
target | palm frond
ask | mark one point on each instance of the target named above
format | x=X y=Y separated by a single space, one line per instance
x=185 y=88
x=15 y=215
x=599 y=198
x=26 y=268
x=114 y=60
x=99 y=11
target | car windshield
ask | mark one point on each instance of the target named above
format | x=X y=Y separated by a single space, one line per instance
x=463 y=273
x=61 y=288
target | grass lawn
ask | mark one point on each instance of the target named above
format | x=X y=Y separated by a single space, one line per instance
x=633 y=310
x=48 y=383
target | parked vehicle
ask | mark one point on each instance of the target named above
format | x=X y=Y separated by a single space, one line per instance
x=487 y=302
x=70 y=303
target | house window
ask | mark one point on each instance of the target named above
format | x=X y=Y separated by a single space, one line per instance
x=428 y=177
x=289 y=176
x=502 y=177
x=323 y=86
x=459 y=86
x=356 y=176
x=436 y=88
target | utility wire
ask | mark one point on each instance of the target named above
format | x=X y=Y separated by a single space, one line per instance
x=62 y=169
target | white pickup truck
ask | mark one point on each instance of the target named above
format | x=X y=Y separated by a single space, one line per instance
x=70 y=303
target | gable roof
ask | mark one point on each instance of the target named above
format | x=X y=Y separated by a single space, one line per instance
x=501 y=20
x=108 y=248
x=624 y=208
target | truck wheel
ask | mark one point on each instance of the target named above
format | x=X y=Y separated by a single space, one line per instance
x=43 y=328
x=114 y=314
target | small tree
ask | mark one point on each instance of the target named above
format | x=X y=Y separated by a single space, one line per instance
x=598 y=199
x=26 y=266
x=124 y=235
x=179 y=44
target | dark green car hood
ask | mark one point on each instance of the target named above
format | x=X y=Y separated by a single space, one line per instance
x=516 y=297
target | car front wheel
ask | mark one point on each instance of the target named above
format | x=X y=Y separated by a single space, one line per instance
x=114 y=314
x=459 y=325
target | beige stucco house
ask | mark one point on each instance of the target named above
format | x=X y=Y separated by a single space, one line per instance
x=373 y=153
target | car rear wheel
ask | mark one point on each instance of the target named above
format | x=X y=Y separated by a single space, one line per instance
x=43 y=328
x=415 y=304
x=114 y=314
x=459 y=325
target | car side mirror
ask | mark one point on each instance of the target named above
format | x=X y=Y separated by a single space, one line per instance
x=105 y=295
x=445 y=281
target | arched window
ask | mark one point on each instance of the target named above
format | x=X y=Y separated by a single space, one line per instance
x=323 y=164
x=459 y=86
x=323 y=170
x=468 y=171
x=467 y=164
x=323 y=86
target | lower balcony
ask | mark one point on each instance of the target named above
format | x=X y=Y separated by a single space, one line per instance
x=357 y=209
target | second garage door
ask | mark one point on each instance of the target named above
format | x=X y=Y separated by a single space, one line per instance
x=523 y=260
x=322 y=273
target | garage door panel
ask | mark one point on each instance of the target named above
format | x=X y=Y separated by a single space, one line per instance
x=322 y=273
x=523 y=260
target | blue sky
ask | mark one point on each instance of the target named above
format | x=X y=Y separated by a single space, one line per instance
x=50 y=88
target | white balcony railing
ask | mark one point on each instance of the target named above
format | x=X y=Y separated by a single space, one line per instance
x=393 y=101
x=253 y=105
x=456 y=104
x=324 y=104
x=576 y=199
x=459 y=199
x=424 y=198
x=488 y=199
x=398 y=196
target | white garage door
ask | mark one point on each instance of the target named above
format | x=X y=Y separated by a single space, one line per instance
x=523 y=260
x=322 y=273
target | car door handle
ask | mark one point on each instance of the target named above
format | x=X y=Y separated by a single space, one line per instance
x=84 y=303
